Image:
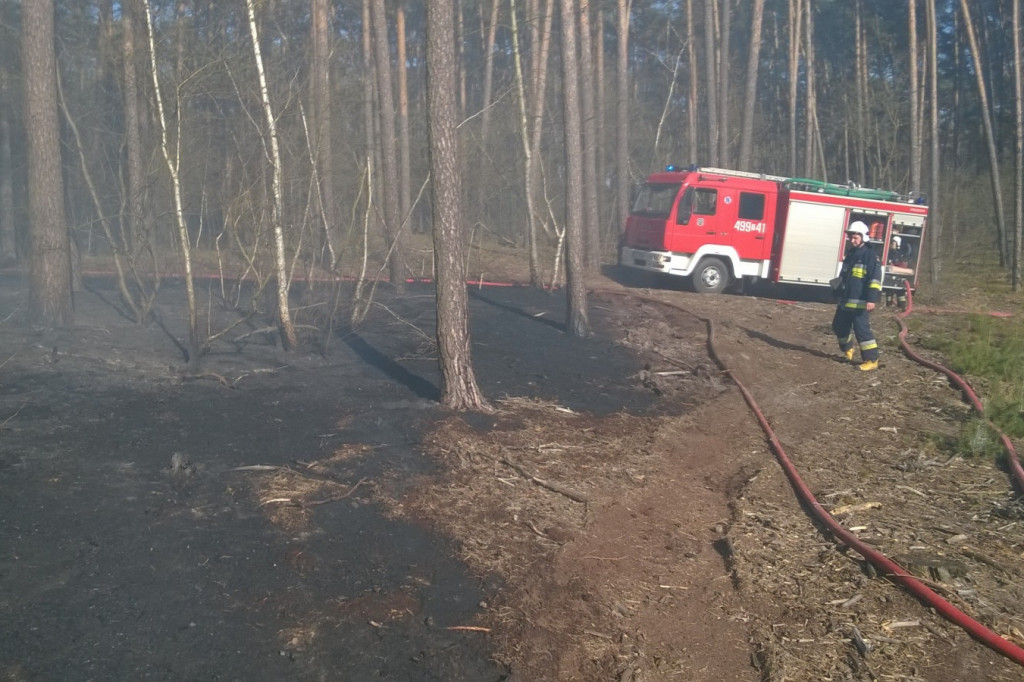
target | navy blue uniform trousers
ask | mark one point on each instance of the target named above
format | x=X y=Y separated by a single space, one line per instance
x=859 y=321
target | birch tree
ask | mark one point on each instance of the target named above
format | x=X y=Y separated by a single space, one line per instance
x=289 y=340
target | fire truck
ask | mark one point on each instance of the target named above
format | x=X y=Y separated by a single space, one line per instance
x=719 y=227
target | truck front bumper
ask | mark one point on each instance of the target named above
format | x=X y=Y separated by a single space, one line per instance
x=655 y=261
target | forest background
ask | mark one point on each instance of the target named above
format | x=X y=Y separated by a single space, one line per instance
x=284 y=141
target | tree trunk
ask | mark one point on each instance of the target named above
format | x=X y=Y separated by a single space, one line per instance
x=194 y=345
x=132 y=221
x=990 y=139
x=622 y=119
x=794 y=70
x=542 y=42
x=389 y=157
x=591 y=219
x=405 y=159
x=693 y=107
x=492 y=31
x=811 y=99
x=915 y=122
x=50 y=300
x=460 y=66
x=723 y=84
x=860 y=98
x=288 y=338
x=750 y=94
x=711 y=81
x=1018 y=150
x=370 y=122
x=459 y=387
x=934 y=223
x=577 y=320
x=320 y=87
x=524 y=136
x=610 y=229
x=8 y=236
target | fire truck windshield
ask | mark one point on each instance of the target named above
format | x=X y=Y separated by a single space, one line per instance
x=655 y=199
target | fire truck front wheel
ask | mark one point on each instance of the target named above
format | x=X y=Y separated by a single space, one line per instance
x=711 y=276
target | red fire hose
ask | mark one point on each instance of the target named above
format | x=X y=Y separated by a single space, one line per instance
x=887 y=567
x=1011 y=452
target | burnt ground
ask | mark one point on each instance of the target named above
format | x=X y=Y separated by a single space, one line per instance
x=316 y=515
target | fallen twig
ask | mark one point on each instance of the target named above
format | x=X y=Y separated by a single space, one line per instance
x=4 y=422
x=295 y=502
x=863 y=506
x=553 y=487
x=468 y=628
x=214 y=376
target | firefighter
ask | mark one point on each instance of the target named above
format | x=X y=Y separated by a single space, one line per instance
x=899 y=255
x=862 y=285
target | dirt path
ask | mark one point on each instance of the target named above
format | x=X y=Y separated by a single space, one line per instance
x=619 y=518
x=693 y=560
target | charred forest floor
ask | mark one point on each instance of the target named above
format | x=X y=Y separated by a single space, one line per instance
x=316 y=515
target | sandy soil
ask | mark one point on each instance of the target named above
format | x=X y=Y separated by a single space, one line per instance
x=315 y=515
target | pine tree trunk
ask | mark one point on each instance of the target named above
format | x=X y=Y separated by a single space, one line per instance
x=711 y=81
x=692 y=109
x=591 y=221
x=132 y=223
x=915 y=88
x=724 y=107
x=750 y=93
x=794 y=69
x=389 y=154
x=934 y=223
x=459 y=390
x=405 y=164
x=50 y=302
x=320 y=29
x=622 y=118
x=8 y=236
x=811 y=100
x=990 y=139
x=577 y=320
x=610 y=228
x=1018 y=150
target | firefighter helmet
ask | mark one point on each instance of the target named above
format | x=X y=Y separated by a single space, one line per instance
x=857 y=227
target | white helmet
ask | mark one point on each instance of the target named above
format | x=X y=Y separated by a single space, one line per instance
x=857 y=227
x=896 y=241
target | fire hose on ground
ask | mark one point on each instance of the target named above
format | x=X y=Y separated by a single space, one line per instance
x=885 y=566
x=1013 y=460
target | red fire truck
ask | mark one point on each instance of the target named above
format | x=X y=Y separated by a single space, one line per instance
x=719 y=226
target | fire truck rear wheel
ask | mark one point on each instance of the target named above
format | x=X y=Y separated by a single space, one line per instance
x=711 y=276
